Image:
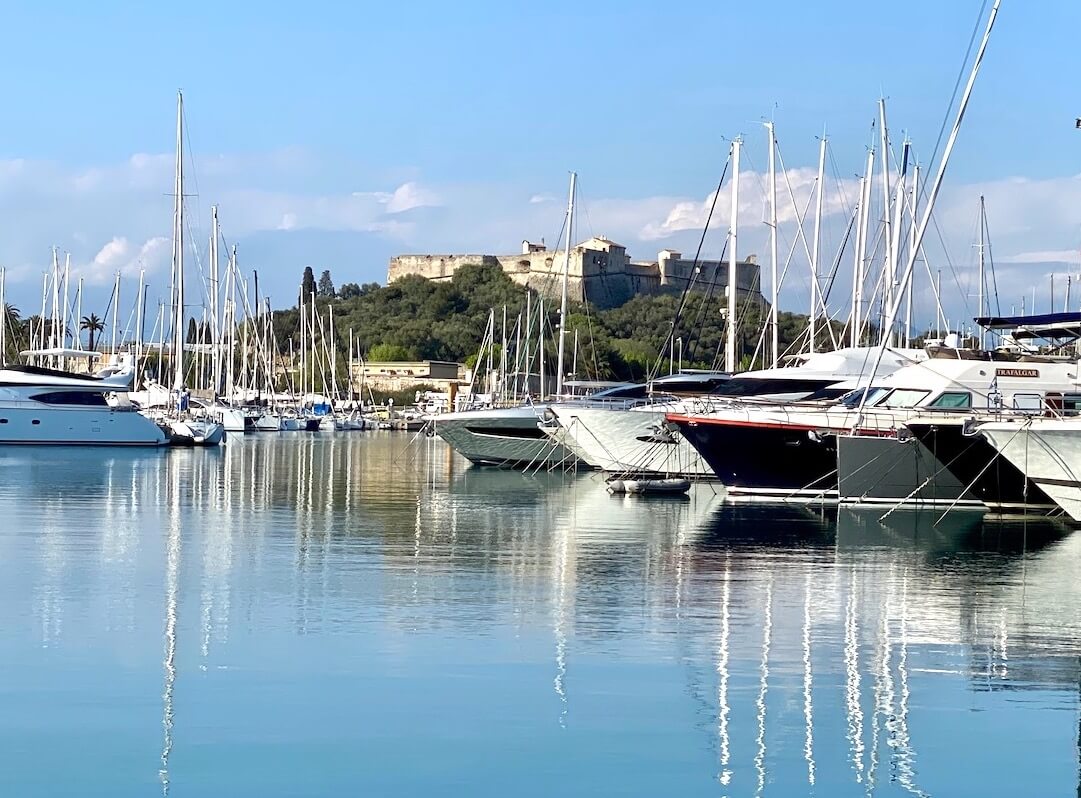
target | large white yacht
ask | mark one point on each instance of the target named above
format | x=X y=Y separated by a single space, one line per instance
x=46 y=406
x=636 y=439
x=789 y=450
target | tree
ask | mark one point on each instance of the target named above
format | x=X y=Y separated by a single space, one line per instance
x=193 y=331
x=388 y=353
x=307 y=284
x=93 y=325
x=349 y=291
x=326 y=285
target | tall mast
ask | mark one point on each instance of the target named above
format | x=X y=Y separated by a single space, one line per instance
x=894 y=243
x=730 y=338
x=773 y=289
x=528 y=353
x=178 y=249
x=932 y=195
x=54 y=333
x=887 y=233
x=817 y=243
x=79 y=314
x=215 y=321
x=140 y=312
x=116 y=314
x=912 y=248
x=67 y=304
x=231 y=299
x=563 y=293
x=979 y=311
x=861 y=249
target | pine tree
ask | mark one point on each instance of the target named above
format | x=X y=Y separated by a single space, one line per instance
x=307 y=284
x=326 y=285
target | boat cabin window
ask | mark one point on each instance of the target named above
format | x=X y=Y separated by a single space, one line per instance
x=852 y=399
x=953 y=399
x=90 y=398
x=904 y=397
x=1032 y=402
x=765 y=386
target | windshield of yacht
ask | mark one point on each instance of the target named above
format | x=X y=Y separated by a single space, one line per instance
x=904 y=397
x=852 y=399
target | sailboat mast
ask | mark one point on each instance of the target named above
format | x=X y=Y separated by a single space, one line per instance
x=116 y=314
x=730 y=338
x=861 y=250
x=215 y=320
x=915 y=194
x=887 y=235
x=773 y=289
x=982 y=277
x=563 y=293
x=178 y=249
x=817 y=243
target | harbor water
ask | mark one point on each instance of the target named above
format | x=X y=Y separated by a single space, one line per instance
x=365 y=614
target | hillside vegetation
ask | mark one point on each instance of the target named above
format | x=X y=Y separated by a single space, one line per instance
x=417 y=319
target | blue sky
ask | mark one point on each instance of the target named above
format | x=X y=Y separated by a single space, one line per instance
x=340 y=134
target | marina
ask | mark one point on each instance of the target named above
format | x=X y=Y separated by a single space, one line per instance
x=792 y=507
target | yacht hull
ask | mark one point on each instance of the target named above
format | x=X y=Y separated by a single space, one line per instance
x=511 y=437
x=628 y=441
x=76 y=426
x=1048 y=452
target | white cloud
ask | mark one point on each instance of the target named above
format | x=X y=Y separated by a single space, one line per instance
x=1063 y=256
x=409 y=196
x=119 y=255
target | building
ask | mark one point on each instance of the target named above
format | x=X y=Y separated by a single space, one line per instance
x=391 y=377
x=600 y=272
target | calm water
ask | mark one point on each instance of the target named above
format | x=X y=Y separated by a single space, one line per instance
x=319 y=615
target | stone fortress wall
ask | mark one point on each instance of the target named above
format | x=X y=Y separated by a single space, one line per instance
x=600 y=272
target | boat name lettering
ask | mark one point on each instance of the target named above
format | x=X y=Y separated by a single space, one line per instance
x=1017 y=372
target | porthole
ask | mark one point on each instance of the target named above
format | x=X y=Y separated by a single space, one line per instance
x=36 y=421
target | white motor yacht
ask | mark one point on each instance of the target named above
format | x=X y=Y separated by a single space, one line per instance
x=47 y=406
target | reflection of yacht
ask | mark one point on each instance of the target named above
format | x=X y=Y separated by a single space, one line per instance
x=44 y=406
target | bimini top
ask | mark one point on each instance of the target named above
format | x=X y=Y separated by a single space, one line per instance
x=1044 y=325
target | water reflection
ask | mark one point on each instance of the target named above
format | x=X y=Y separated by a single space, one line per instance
x=293 y=585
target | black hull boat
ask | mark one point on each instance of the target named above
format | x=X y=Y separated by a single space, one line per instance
x=976 y=464
x=783 y=461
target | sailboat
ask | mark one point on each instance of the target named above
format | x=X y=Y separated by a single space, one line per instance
x=185 y=429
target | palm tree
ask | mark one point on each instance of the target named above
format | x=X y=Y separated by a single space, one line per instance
x=93 y=325
x=11 y=313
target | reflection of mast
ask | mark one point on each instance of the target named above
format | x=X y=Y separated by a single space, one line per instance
x=172 y=569
x=763 y=685
x=725 y=775
x=906 y=774
x=883 y=691
x=560 y=624
x=808 y=706
x=852 y=682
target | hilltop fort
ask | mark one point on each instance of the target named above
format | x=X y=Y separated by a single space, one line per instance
x=600 y=272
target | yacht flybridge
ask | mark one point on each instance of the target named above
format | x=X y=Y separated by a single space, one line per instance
x=47 y=406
